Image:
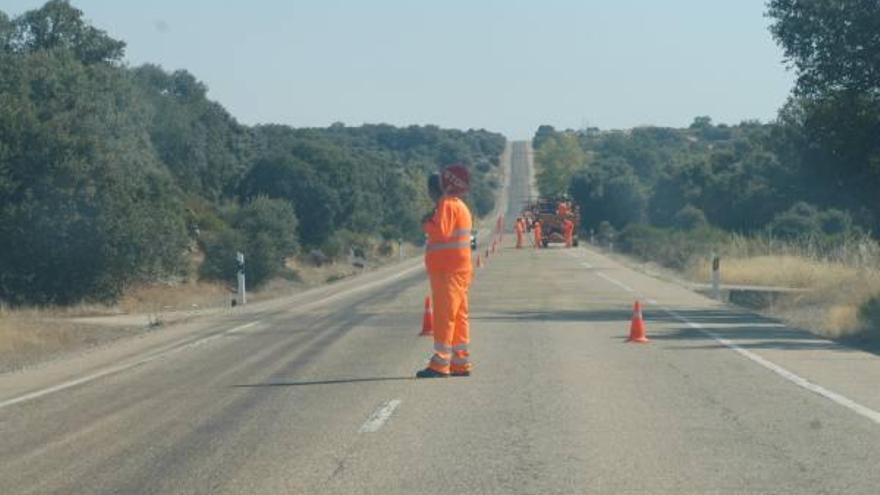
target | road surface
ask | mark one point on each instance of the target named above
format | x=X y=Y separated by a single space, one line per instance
x=315 y=395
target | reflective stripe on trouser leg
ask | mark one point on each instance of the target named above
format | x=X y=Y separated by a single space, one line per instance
x=461 y=337
x=442 y=348
x=449 y=291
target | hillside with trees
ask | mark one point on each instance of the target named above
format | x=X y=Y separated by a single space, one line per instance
x=112 y=176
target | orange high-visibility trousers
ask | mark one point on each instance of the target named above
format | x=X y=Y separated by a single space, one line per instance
x=451 y=327
x=538 y=237
x=519 y=238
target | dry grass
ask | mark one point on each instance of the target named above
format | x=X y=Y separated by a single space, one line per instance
x=27 y=338
x=832 y=308
x=838 y=288
x=161 y=298
x=776 y=271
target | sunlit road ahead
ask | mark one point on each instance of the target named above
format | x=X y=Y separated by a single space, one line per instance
x=315 y=396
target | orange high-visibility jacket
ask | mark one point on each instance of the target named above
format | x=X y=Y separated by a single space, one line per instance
x=449 y=237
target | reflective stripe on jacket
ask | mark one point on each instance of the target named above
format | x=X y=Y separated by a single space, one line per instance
x=449 y=237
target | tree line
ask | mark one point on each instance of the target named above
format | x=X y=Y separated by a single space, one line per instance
x=814 y=171
x=113 y=175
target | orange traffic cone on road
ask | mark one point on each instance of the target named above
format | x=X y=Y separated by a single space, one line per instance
x=427 y=319
x=637 y=326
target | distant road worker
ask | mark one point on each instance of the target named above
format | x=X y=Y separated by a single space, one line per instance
x=568 y=230
x=563 y=209
x=448 y=261
x=520 y=229
x=536 y=229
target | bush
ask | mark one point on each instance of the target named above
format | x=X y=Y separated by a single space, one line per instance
x=869 y=313
x=606 y=233
x=273 y=217
x=670 y=247
x=690 y=218
x=835 y=222
x=801 y=220
x=220 y=249
x=264 y=230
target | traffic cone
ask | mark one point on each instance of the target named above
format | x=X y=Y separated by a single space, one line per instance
x=637 y=326
x=427 y=319
x=479 y=261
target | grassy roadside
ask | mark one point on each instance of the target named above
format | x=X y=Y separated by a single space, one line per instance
x=841 y=275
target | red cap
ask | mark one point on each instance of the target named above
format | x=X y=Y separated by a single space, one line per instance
x=455 y=179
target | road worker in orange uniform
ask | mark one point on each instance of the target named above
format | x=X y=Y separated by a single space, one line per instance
x=536 y=229
x=448 y=261
x=562 y=209
x=568 y=230
x=520 y=229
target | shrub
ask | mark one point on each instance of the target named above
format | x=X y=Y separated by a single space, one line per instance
x=689 y=218
x=835 y=222
x=264 y=230
x=801 y=220
x=670 y=247
x=869 y=313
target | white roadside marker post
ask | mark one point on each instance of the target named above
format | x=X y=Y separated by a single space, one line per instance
x=716 y=277
x=242 y=295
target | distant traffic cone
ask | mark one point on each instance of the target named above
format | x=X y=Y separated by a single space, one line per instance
x=427 y=319
x=479 y=261
x=637 y=327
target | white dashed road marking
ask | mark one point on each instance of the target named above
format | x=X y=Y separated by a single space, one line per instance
x=378 y=418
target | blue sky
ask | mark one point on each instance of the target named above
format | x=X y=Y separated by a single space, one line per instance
x=507 y=66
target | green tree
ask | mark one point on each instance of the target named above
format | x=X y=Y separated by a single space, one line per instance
x=87 y=208
x=833 y=44
x=264 y=230
x=557 y=160
x=609 y=191
x=59 y=25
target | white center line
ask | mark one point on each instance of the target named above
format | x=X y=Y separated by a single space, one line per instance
x=378 y=418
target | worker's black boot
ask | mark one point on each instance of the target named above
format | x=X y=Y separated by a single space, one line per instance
x=429 y=373
x=461 y=373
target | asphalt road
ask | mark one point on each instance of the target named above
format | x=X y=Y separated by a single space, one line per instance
x=315 y=395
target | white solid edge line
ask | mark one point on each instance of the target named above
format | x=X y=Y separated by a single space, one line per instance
x=379 y=417
x=798 y=380
x=120 y=368
x=784 y=373
x=615 y=282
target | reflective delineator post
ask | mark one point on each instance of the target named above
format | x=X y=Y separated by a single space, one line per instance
x=716 y=277
x=242 y=294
